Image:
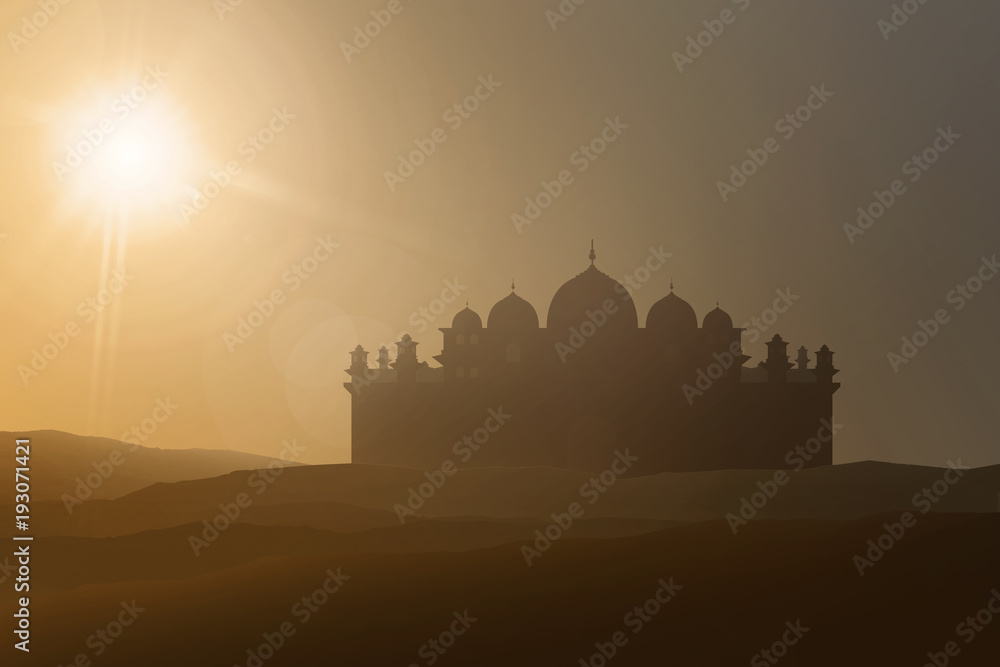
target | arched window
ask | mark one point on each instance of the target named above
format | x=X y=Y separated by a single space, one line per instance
x=460 y=372
x=513 y=353
x=473 y=339
x=474 y=373
x=460 y=339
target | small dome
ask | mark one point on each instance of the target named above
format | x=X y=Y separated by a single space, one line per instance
x=512 y=314
x=672 y=315
x=467 y=320
x=717 y=320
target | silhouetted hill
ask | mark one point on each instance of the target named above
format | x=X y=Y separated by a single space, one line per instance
x=63 y=462
x=168 y=554
x=738 y=592
x=348 y=498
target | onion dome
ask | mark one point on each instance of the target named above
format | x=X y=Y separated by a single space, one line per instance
x=512 y=314
x=672 y=316
x=589 y=292
x=717 y=320
x=467 y=320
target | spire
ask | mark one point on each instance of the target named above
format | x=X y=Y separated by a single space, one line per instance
x=803 y=359
x=593 y=255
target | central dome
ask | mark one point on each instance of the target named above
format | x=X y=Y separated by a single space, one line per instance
x=589 y=292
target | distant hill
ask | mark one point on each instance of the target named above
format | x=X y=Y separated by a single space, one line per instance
x=59 y=461
x=350 y=498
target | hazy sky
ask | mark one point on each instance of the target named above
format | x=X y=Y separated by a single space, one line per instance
x=299 y=131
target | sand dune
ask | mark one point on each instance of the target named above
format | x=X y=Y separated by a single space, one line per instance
x=347 y=498
x=738 y=592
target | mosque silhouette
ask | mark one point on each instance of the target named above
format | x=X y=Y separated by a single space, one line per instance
x=590 y=384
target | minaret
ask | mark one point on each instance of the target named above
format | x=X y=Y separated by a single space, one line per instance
x=824 y=370
x=777 y=363
x=359 y=362
x=383 y=358
x=803 y=360
x=406 y=360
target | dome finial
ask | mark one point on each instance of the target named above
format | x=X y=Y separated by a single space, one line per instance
x=671 y=283
x=593 y=255
x=512 y=288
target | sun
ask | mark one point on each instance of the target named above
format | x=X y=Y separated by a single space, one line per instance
x=136 y=160
x=125 y=158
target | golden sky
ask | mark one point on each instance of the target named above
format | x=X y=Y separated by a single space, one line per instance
x=242 y=152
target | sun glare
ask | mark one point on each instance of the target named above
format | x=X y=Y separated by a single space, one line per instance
x=139 y=160
x=126 y=158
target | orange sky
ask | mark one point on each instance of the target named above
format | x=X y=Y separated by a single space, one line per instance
x=287 y=137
